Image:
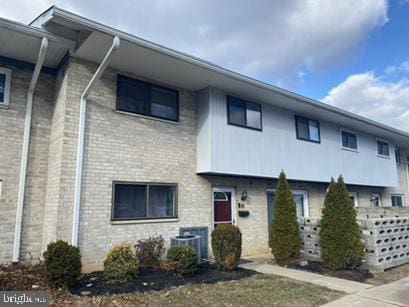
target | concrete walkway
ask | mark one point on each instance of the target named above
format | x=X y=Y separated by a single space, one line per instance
x=359 y=294
x=390 y=295
x=333 y=283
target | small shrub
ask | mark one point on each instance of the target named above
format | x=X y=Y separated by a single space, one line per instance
x=62 y=264
x=182 y=259
x=226 y=246
x=150 y=251
x=340 y=235
x=121 y=264
x=285 y=240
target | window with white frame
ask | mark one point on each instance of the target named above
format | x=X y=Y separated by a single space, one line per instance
x=397 y=200
x=349 y=140
x=354 y=198
x=300 y=198
x=376 y=200
x=383 y=148
x=5 y=76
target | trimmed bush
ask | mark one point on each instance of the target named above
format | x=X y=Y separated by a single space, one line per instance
x=62 y=264
x=340 y=235
x=226 y=247
x=121 y=264
x=150 y=251
x=285 y=241
x=182 y=259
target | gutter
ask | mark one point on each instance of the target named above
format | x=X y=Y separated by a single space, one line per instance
x=92 y=25
x=81 y=133
x=25 y=150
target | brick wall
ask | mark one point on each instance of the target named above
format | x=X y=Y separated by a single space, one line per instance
x=11 y=138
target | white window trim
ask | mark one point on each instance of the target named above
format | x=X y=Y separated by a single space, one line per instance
x=397 y=194
x=356 y=201
x=347 y=148
x=389 y=146
x=299 y=192
x=380 y=199
x=7 y=85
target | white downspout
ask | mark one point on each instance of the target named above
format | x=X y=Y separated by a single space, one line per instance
x=25 y=150
x=81 y=131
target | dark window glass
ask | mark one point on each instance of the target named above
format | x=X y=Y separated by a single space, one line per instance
x=383 y=148
x=2 y=87
x=243 y=113
x=130 y=201
x=143 y=201
x=397 y=155
x=161 y=201
x=307 y=129
x=140 y=97
x=349 y=140
x=397 y=200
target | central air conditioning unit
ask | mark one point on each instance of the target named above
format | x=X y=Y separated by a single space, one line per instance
x=189 y=240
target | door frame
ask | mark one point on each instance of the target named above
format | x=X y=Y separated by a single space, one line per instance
x=232 y=201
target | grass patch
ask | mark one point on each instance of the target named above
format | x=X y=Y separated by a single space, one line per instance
x=258 y=290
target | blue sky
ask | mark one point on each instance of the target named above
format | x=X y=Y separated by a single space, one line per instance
x=353 y=54
x=385 y=47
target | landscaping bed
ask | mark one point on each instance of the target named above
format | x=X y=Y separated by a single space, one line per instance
x=358 y=275
x=158 y=279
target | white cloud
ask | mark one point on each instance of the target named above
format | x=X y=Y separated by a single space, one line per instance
x=374 y=97
x=271 y=40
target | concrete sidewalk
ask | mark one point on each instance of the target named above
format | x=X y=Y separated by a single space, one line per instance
x=333 y=283
x=359 y=294
x=393 y=294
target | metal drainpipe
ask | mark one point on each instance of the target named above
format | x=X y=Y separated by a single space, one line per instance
x=25 y=150
x=81 y=132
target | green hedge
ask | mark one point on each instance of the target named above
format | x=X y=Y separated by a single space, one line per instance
x=62 y=264
x=285 y=241
x=121 y=264
x=226 y=247
x=340 y=235
x=182 y=259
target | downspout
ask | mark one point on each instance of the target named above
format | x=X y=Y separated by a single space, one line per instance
x=25 y=149
x=81 y=132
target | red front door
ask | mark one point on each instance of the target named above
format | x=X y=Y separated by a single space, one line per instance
x=222 y=207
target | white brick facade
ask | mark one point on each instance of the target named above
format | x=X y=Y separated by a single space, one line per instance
x=120 y=147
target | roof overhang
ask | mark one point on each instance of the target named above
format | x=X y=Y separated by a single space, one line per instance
x=141 y=57
x=22 y=42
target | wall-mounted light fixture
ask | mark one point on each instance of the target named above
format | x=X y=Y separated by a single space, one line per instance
x=244 y=195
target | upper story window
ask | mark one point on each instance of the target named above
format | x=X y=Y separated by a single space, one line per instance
x=243 y=113
x=397 y=200
x=383 y=148
x=349 y=140
x=139 y=97
x=307 y=129
x=5 y=75
x=139 y=201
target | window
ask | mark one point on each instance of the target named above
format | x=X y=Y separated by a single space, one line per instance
x=243 y=113
x=134 y=201
x=383 y=148
x=354 y=198
x=307 y=129
x=376 y=200
x=397 y=200
x=349 y=140
x=144 y=98
x=301 y=202
x=397 y=155
x=5 y=75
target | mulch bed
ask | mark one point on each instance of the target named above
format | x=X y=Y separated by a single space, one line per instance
x=20 y=277
x=148 y=279
x=359 y=275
